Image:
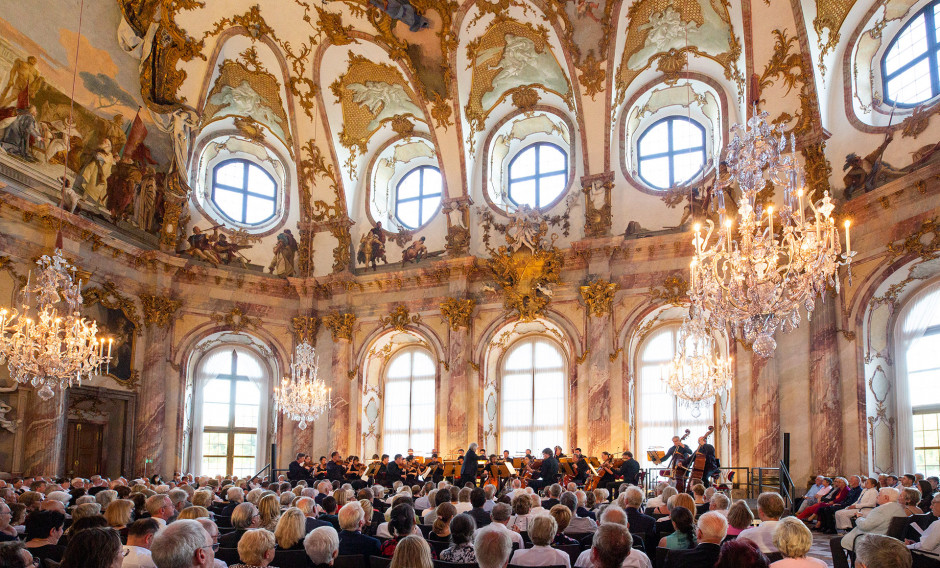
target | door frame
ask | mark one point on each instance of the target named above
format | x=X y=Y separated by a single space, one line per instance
x=130 y=412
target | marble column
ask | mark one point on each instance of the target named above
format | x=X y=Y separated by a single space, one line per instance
x=825 y=389
x=338 y=435
x=458 y=393
x=765 y=415
x=45 y=435
x=597 y=374
x=151 y=434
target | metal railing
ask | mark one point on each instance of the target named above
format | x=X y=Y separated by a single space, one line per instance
x=775 y=479
x=741 y=478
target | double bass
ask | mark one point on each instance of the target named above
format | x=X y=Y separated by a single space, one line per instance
x=678 y=467
x=699 y=459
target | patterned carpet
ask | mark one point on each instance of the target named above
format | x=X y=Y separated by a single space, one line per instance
x=820 y=548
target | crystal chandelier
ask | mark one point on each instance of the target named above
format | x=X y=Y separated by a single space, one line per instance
x=51 y=345
x=302 y=396
x=756 y=279
x=698 y=374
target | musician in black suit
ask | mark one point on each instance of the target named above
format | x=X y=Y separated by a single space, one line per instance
x=548 y=473
x=711 y=461
x=468 y=471
x=679 y=452
x=381 y=475
x=335 y=470
x=630 y=469
x=581 y=467
x=296 y=470
x=712 y=528
x=395 y=471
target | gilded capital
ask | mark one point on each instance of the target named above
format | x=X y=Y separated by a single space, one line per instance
x=158 y=310
x=598 y=297
x=305 y=328
x=458 y=313
x=340 y=325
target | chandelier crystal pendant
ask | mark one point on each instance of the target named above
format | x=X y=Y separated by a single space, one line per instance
x=303 y=396
x=698 y=375
x=50 y=345
x=757 y=277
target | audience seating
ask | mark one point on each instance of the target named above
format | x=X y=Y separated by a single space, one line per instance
x=772 y=557
x=638 y=542
x=438 y=546
x=661 y=553
x=291 y=559
x=517 y=566
x=379 y=562
x=228 y=555
x=925 y=559
x=425 y=530
x=839 y=559
x=349 y=561
x=898 y=527
x=223 y=522
x=572 y=550
x=442 y=564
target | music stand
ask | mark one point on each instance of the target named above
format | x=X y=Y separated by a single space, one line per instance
x=371 y=470
x=655 y=456
x=594 y=462
x=450 y=469
x=566 y=468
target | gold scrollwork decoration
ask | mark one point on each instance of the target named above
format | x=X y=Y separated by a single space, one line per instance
x=675 y=291
x=918 y=243
x=305 y=328
x=341 y=325
x=598 y=297
x=159 y=310
x=400 y=318
x=236 y=319
x=458 y=312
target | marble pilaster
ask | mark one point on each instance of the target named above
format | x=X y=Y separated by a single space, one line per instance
x=338 y=433
x=156 y=373
x=825 y=389
x=765 y=416
x=458 y=392
x=598 y=378
x=44 y=449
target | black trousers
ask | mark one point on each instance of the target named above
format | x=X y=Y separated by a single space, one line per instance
x=462 y=481
x=538 y=484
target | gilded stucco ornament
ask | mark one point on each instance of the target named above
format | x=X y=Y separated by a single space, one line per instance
x=236 y=319
x=400 y=318
x=527 y=266
x=305 y=328
x=159 y=310
x=598 y=217
x=458 y=312
x=457 y=212
x=598 y=297
x=674 y=291
x=108 y=296
x=525 y=98
x=923 y=243
x=341 y=325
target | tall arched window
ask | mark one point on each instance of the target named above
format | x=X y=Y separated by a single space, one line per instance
x=532 y=396
x=917 y=338
x=230 y=412
x=911 y=65
x=659 y=416
x=409 y=403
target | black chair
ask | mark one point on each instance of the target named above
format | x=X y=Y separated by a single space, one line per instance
x=572 y=550
x=291 y=559
x=425 y=530
x=664 y=529
x=898 y=527
x=922 y=521
x=661 y=554
x=228 y=555
x=580 y=537
x=223 y=522
x=839 y=559
x=552 y=566
x=638 y=542
x=379 y=562
x=925 y=559
x=771 y=557
x=701 y=509
x=525 y=537
x=350 y=561
x=442 y=564
x=226 y=530
x=588 y=541
x=438 y=546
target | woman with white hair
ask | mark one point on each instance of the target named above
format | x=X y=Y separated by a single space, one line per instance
x=256 y=549
x=322 y=546
x=793 y=539
x=542 y=531
x=492 y=547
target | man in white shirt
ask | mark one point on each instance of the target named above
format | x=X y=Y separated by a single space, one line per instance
x=578 y=525
x=657 y=501
x=614 y=515
x=769 y=508
x=160 y=507
x=867 y=501
x=492 y=546
x=930 y=540
x=139 y=538
x=500 y=516
x=878 y=521
x=810 y=497
x=490 y=502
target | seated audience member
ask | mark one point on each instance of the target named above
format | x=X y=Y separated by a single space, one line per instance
x=269 y=509
x=400 y=525
x=291 y=530
x=741 y=554
x=119 y=513
x=542 y=530
x=461 y=535
x=442 y=496
x=98 y=547
x=930 y=541
x=7 y=531
x=810 y=498
x=322 y=546
x=477 y=500
x=793 y=539
x=14 y=555
x=867 y=501
x=879 y=551
x=611 y=546
x=769 y=509
x=160 y=508
x=440 y=530
x=244 y=517
x=193 y=513
x=577 y=525
x=412 y=552
x=183 y=544
x=43 y=531
x=719 y=503
x=659 y=506
x=740 y=518
x=521 y=513
x=235 y=496
x=500 y=516
x=308 y=507
x=256 y=549
x=614 y=515
x=878 y=521
x=710 y=531
x=910 y=498
x=351 y=540
x=492 y=544
x=562 y=516
x=683 y=535
x=139 y=541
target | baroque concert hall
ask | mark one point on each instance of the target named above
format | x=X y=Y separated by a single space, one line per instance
x=469 y=283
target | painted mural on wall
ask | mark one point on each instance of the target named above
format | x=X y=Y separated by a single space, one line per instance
x=112 y=156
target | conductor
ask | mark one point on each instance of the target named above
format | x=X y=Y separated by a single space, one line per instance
x=468 y=471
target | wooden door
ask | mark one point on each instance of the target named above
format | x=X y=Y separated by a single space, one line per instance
x=83 y=448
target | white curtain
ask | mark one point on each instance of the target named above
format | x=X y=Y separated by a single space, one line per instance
x=921 y=312
x=409 y=403
x=532 y=397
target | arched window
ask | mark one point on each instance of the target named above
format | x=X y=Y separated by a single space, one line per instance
x=244 y=192
x=671 y=152
x=532 y=396
x=538 y=175
x=232 y=385
x=418 y=196
x=659 y=415
x=910 y=69
x=409 y=402
x=918 y=341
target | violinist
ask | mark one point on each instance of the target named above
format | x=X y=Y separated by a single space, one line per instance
x=528 y=454
x=319 y=471
x=630 y=469
x=437 y=474
x=335 y=469
x=548 y=473
x=354 y=473
x=296 y=470
x=506 y=458
x=581 y=469
x=396 y=471
x=381 y=476
x=411 y=468
x=488 y=469
x=558 y=453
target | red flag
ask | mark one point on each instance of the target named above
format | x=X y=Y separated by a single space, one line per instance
x=22 y=101
x=135 y=137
